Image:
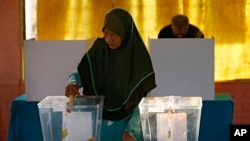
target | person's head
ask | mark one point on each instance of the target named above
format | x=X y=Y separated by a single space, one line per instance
x=113 y=40
x=116 y=27
x=180 y=25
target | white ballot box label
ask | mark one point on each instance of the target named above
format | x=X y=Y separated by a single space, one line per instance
x=80 y=126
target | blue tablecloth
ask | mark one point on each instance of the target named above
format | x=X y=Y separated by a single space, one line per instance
x=216 y=117
x=24 y=121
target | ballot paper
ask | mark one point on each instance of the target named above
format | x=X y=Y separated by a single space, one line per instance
x=79 y=126
x=171 y=127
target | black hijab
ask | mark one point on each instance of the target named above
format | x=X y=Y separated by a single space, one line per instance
x=123 y=75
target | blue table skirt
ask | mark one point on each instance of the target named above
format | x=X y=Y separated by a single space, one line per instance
x=24 y=122
x=216 y=118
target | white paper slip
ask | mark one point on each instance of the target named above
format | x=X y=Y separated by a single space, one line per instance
x=80 y=126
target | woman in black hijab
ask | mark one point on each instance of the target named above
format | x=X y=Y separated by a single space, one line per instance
x=118 y=67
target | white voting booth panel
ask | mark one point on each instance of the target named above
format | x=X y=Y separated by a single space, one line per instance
x=183 y=67
x=48 y=64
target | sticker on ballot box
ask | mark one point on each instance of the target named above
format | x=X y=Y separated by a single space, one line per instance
x=59 y=108
x=80 y=126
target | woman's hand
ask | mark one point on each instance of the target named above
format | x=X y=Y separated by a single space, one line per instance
x=128 y=137
x=71 y=89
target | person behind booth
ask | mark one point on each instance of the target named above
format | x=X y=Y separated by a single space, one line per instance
x=117 y=66
x=180 y=28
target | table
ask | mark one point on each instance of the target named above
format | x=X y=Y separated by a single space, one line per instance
x=216 y=117
x=24 y=121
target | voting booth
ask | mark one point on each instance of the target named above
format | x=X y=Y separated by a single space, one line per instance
x=183 y=67
x=48 y=64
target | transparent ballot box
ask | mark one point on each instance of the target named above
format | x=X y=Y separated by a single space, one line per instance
x=65 y=120
x=170 y=118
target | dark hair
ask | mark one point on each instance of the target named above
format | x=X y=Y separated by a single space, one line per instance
x=180 y=21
